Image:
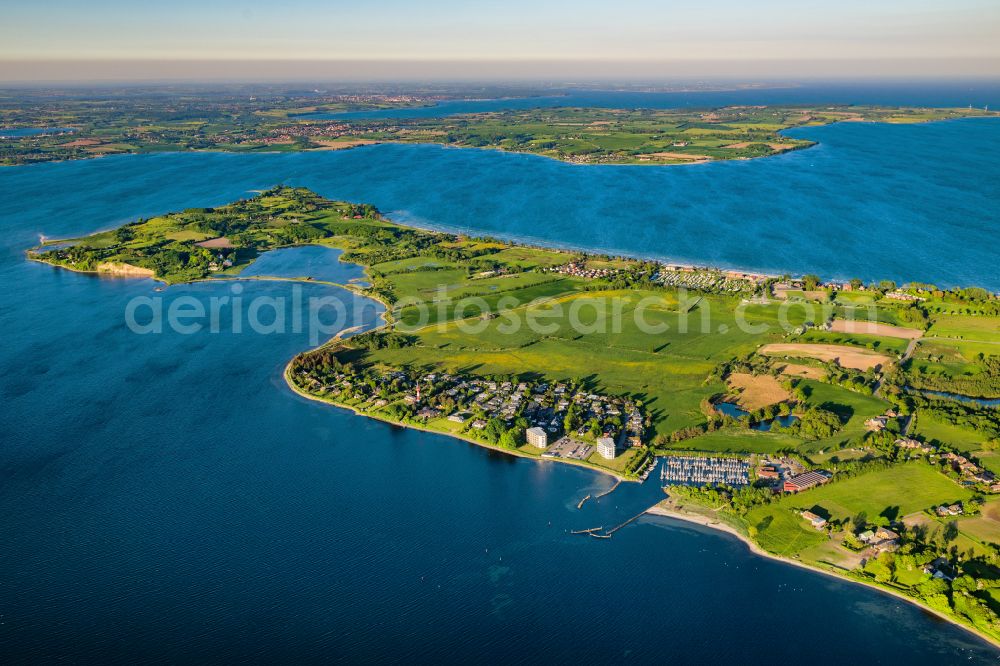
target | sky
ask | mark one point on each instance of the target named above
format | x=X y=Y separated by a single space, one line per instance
x=218 y=38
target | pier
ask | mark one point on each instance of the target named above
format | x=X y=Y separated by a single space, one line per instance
x=609 y=490
x=633 y=518
x=588 y=531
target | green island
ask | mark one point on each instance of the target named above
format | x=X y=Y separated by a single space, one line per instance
x=280 y=121
x=841 y=426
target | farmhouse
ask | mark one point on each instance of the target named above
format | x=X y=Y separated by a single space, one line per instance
x=952 y=510
x=818 y=522
x=913 y=444
x=885 y=539
x=768 y=472
x=876 y=423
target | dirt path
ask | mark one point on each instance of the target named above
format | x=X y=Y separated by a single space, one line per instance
x=910 y=348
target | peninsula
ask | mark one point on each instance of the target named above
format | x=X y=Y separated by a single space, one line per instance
x=846 y=426
x=72 y=128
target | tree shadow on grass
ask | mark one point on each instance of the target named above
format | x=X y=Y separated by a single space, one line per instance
x=890 y=513
x=843 y=412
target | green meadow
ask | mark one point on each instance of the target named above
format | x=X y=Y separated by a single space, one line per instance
x=889 y=493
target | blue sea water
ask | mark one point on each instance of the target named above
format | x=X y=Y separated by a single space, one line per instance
x=940 y=94
x=902 y=202
x=166 y=497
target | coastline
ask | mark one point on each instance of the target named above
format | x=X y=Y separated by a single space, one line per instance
x=656 y=510
x=542 y=243
x=718 y=525
x=97 y=273
x=386 y=316
x=513 y=452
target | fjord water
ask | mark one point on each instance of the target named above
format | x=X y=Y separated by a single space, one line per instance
x=166 y=496
x=903 y=202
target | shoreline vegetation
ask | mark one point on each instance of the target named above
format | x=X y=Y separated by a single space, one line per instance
x=832 y=406
x=281 y=123
x=286 y=374
x=665 y=510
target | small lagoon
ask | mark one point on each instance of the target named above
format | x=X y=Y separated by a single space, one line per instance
x=315 y=262
x=736 y=412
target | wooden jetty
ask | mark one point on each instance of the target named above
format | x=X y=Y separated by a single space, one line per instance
x=588 y=531
x=580 y=505
x=635 y=517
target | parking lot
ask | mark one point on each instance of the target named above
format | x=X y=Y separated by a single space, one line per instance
x=567 y=447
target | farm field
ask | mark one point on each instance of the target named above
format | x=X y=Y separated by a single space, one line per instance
x=965 y=327
x=967 y=367
x=852 y=408
x=756 y=391
x=984 y=528
x=734 y=440
x=874 y=329
x=845 y=356
x=936 y=430
x=951 y=356
x=881 y=344
x=891 y=493
x=599 y=338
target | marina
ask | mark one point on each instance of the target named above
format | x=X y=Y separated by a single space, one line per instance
x=695 y=470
